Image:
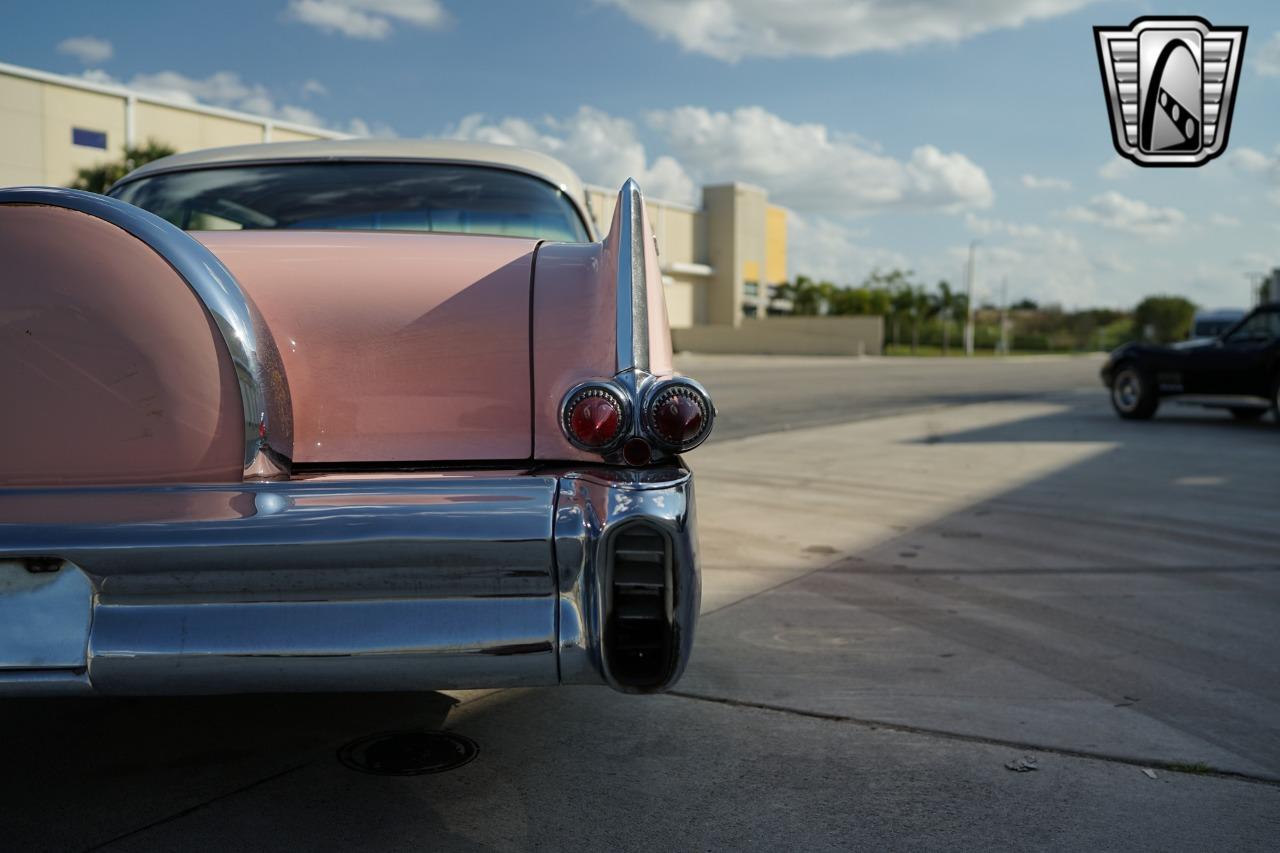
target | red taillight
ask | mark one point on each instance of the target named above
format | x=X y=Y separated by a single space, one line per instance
x=677 y=418
x=637 y=426
x=679 y=415
x=593 y=418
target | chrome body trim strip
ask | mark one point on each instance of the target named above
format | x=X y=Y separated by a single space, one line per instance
x=264 y=390
x=393 y=582
x=632 y=311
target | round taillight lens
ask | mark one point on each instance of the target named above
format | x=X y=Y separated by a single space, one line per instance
x=593 y=418
x=679 y=416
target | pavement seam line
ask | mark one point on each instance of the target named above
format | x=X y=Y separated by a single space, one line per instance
x=769 y=589
x=102 y=845
x=903 y=728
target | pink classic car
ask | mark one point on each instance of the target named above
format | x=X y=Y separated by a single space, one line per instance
x=390 y=417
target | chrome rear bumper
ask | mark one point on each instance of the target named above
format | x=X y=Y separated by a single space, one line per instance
x=380 y=582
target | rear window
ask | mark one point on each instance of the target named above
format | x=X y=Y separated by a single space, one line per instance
x=362 y=197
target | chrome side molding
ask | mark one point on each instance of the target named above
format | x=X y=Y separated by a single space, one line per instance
x=264 y=389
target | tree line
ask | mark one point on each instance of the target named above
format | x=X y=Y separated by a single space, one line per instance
x=919 y=316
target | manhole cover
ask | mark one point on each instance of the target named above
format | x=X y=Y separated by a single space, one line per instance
x=408 y=753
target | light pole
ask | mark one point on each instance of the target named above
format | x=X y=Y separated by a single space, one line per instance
x=968 y=323
x=1004 y=316
x=1255 y=287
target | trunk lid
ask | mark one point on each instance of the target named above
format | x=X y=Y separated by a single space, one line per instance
x=397 y=347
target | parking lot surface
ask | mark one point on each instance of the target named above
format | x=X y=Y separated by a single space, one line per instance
x=977 y=568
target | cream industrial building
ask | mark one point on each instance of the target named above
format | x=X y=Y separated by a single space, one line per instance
x=720 y=260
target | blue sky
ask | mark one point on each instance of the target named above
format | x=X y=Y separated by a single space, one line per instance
x=895 y=132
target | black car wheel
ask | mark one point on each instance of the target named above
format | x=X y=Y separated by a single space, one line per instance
x=1133 y=395
x=1245 y=414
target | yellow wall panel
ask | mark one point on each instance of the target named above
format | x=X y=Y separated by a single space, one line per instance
x=775 y=245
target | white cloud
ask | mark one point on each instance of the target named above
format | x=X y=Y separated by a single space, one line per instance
x=90 y=50
x=97 y=75
x=1023 y=231
x=1257 y=164
x=809 y=167
x=827 y=250
x=601 y=148
x=1266 y=58
x=226 y=89
x=733 y=29
x=314 y=87
x=1113 y=210
x=378 y=130
x=368 y=19
x=1037 y=182
x=1117 y=168
x=801 y=165
x=1049 y=265
x=1222 y=220
x=1251 y=160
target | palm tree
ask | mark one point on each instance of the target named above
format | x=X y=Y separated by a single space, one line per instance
x=99 y=178
x=945 y=306
x=923 y=307
x=900 y=300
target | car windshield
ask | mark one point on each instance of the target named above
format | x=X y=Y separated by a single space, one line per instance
x=1262 y=326
x=360 y=196
x=1213 y=328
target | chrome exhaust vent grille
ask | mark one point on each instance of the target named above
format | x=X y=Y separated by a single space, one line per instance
x=639 y=639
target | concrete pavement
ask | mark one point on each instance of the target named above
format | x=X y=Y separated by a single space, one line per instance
x=764 y=394
x=895 y=609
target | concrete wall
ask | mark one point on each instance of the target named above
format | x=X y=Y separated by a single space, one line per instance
x=39 y=110
x=22 y=132
x=190 y=131
x=786 y=336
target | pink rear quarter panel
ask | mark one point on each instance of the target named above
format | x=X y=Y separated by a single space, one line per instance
x=574 y=328
x=397 y=347
x=112 y=369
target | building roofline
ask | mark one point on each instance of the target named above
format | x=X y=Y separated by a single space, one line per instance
x=147 y=98
x=649 y=199
x=738 y=185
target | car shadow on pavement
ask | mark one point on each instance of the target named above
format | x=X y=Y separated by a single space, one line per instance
x=1119 y=601
x=85 y=771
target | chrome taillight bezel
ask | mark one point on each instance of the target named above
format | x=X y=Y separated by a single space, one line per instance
x=612 y=392
x=659 y=391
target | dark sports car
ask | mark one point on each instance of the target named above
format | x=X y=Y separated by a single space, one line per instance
x=1238 y=371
